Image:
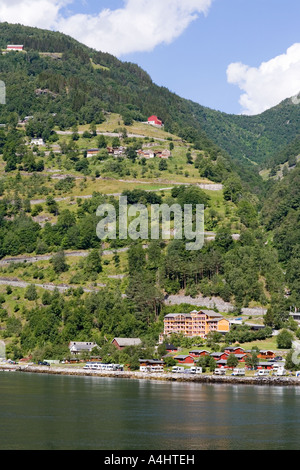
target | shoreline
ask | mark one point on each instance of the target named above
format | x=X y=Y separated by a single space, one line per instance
x=162 y=377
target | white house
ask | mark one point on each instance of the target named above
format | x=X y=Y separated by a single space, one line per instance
x=79 y=347
x=145 y=154
x=92 y=153
x=154 y=121
x=39 y=142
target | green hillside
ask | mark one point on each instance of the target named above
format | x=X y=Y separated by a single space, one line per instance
x=76 y=99
x=253 y=138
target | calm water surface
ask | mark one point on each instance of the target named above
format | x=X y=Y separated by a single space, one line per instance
x=86 y=413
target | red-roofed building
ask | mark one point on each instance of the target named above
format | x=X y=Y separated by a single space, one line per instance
x=154 y=121
x=13 y=47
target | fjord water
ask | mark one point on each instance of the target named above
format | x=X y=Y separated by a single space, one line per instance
x=45 y=412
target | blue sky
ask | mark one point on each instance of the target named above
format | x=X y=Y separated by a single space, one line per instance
x=237 y=56
x=247 y=31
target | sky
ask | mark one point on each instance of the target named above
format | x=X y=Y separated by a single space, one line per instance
x=235 y=56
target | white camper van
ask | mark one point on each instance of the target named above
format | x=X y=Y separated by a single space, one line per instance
x=177 y=370
x=238 y=372
x=281 y=372
x=196 y=370
x=220 y=372
x=262 y=373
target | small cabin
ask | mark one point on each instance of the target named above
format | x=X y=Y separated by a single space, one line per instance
x=184 y=359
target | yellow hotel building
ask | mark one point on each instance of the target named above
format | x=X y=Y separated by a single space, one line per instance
x=195 y=323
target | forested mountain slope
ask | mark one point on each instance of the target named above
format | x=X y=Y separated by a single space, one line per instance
x=78 y=83
x=281 y=217
x=257 y=138
x=79 y=99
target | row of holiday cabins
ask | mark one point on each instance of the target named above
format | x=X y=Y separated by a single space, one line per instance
x=191 y=359
x=265 y=357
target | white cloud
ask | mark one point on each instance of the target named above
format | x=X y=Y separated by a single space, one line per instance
x=270 y=83
x=39 y=13
x=139 y=26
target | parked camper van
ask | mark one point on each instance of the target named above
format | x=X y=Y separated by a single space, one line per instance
x=220 y=372
x=281 y=372
x=238 y=372
x=262 y=373
x=196 y=370
x=156 y=369
x=177 y=370
x=103 y=367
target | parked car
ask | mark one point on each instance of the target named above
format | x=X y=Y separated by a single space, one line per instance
x=43 y=363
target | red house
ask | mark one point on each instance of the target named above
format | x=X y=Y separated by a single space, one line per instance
x=154 y=121
x=199 y=353
x=220 y=356
x=184 y=359
x=266 y=355
x=265 y=366
x=241 y=357
x=234 y=350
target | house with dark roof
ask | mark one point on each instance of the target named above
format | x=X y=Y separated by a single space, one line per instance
x=171 y=347
x=150 y=362
x=184 y=359
x=218 y=356
x=221 y=363
x=265 y=365
x=266 y=354
x=234 y=350
x=122 y=343
x=241 y=357
x=199 y=353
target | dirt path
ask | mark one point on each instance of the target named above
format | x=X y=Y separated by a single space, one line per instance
x=14 y=282
x=37 y=258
